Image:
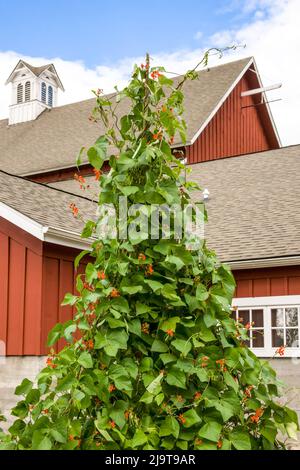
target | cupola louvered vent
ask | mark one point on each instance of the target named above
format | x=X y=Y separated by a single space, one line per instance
x=43 y=92
x=20 y=93
x=27 y=91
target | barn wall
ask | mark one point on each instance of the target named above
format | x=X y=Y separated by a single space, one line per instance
x=266 y=282
x=59 y=278
x=20 y=290
x=234 y=130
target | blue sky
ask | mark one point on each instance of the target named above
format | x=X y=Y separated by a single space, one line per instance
x=94 y=43
x=96 y=31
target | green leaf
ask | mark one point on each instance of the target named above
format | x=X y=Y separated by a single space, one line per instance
x=33 y=396
x=20 y=410
x=79 y=257
x=141 y=309
x=154 y=386
x=191 y=418
x=155 y=285
x=128 y=190
x=201 y=292
x=139 y=439
x=269 y=431
x=85 y=360
x=211 y=431
x=240 y=439
x=175 y=261
x=169 y=427
x=40 y=442
x=159 y=346
x=69 y=299
x=182 y=345
x=169 y=324
x=66 y=383
x=167 y=357
x=291 y=429
x=24 y=388
x=55 y=334
x=229 y=380
x=117 y=413
x=176 y=378
x=131 y=290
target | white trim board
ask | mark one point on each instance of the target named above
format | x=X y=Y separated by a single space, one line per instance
x=266 y=301
x=41 y=232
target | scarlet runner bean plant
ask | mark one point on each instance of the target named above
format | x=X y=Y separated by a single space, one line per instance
x=160 y=363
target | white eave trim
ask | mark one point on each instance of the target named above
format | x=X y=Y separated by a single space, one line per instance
x=62 y=237
x=267 y=105
x=53 y=235
x=224 y=98
x=265 y=262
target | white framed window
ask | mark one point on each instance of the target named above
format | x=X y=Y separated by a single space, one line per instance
x=272 y=322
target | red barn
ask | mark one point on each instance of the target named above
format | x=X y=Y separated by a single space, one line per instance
x=253 y=218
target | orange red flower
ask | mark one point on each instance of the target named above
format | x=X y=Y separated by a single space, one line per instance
x=219 y=444
x=247 y=391
x=115 y=293
x=50 y=363
x=97 y=174
x=101 y=275
x=111 y=388
x=280 y=351
x=112 y=424
x=80 y=179
x=197 y=396
x=157 y=136
x=150 y=270
x=170 y=332
x=256 y=417
x=145 y=328
x=142 y=257
x=181 y=419
x=155 y=74
x=74 y=209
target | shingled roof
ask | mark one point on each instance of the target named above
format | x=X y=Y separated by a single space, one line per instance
x=42 y=204
x=53 y=140
x=253 y=207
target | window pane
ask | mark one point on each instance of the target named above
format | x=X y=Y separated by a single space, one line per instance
x=292 y=338
x=291 y=316
x=258 y=318
x=244 y=316
x=258 y=338
x=277 y=338
x=277 y=317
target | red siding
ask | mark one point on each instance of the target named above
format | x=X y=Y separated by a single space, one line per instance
x=20 y=290
x=58 y=278
x=266 y=282
x=234 y=130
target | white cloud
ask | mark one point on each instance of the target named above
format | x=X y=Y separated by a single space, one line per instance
x=272 y=36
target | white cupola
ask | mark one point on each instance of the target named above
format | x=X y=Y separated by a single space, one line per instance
x=34 y=89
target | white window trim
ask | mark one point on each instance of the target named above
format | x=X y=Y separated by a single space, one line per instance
x=266 y=303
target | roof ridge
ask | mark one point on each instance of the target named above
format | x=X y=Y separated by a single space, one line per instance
x=45 y=185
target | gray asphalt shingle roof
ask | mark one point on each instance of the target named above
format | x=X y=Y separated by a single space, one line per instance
x=47 y=206
x=253 y=207
x=54 y=139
